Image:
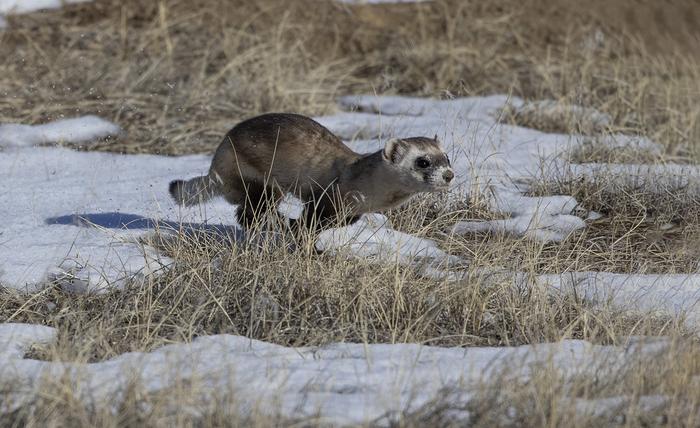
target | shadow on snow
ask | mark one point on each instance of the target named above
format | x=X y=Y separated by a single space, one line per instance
x=123 y=221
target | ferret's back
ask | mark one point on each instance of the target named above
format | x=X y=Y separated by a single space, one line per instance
x=292 y=148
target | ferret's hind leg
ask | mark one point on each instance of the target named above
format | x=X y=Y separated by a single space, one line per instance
x=254 y=202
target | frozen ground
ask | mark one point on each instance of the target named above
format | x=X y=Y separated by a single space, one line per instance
x=343 y=383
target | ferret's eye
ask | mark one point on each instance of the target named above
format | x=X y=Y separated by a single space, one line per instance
x=422 y=163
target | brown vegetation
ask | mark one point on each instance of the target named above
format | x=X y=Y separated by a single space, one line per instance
x=178 y=74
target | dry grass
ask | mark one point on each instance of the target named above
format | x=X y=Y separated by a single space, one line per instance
x=546 y=399
x=645 y=227
x=59 y=406
x=177 y=74
x=268 y=291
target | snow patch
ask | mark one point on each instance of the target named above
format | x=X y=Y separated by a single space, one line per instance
x=624 y=141
x=543 y=218
x=78 y=216
x=74 y=130
x=26 y=6
x=17 y=339
x=676 y=296
x=485 y=108
x=345 y=383
x=653 y=178
x=672 y=295
x=372 y=237
x=554 y=112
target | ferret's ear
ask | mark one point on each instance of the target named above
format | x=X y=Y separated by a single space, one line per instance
x=394 y=149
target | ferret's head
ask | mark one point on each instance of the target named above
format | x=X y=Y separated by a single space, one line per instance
x=421 y=162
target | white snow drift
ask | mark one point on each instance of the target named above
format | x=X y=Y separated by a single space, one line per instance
x=665 y=294
x=77 y=130
x=342 y=383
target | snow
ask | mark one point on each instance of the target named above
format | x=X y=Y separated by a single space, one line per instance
x=16 y=339
x=585 y=117
x=653 y=178
x=9 y=7
x=75 y=130
x=529 y=217
x=78 y=215
x=499 y=160
x=374 y=238
x=668 y=294
x=26 y=6
x=610 y=407
x=675 y=296
x=344 y=383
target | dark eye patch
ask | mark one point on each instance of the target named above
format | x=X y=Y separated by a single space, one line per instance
x=422 y=163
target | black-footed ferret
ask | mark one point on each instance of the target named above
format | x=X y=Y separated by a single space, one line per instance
x=264 y=157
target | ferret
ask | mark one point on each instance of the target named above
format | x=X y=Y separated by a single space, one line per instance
x=263 y=158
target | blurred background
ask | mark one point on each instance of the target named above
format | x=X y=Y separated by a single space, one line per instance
x=177 y=73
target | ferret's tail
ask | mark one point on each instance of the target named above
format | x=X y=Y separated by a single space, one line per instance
x=194 y=191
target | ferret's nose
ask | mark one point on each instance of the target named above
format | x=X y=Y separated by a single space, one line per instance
x=448 y=175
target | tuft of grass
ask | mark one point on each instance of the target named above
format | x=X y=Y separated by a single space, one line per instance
x=662 y=393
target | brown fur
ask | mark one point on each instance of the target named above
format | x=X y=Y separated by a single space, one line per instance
x=262 y=158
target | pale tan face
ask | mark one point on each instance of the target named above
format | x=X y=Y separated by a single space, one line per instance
x=422 y=163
